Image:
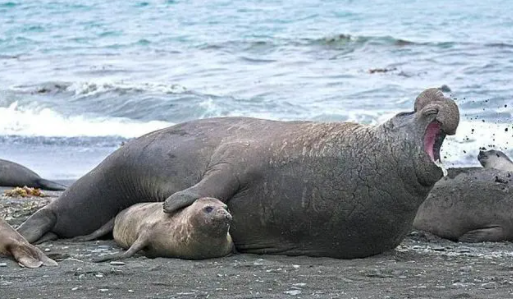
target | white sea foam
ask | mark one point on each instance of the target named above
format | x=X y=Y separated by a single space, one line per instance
x=99 y=86
x=34 y=121
x=90 y=88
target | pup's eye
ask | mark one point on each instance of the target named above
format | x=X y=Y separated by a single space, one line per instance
x=209 y=209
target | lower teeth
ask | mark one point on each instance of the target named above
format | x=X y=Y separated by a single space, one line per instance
x=439 y=164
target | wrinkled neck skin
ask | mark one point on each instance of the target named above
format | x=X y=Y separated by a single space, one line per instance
x=405 y=133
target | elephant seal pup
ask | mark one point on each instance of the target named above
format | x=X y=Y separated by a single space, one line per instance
x=469 y=205
x=27 y=255
x=495 y=159
x=199 y=231
x=16 y=175
x=341 y=190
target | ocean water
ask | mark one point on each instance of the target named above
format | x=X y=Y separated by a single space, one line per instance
x=79 y=77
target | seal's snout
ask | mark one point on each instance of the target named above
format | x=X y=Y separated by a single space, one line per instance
x=224 y=214
x=481 y=155
x=432 y=103
x=228 y=216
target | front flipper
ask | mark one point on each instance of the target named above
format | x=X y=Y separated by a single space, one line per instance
x=102 y=231
x=30 y=256
x=489 y=234
x=38 y=224
x=139 y=244
x=219 y=182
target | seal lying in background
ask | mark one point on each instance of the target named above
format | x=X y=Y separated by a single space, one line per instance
x=495 y=159
x=341 y=190
x=27 y=255
x=199 y=231
x=470 y=205
x=16 y=175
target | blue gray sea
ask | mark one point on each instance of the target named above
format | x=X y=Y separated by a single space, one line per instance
x=79 y=77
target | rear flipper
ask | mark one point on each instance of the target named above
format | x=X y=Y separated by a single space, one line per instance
x=139 y=244
x=49 y=185
x=102 y=231
x=30 y=256
x=488 y=234
x=38 y=224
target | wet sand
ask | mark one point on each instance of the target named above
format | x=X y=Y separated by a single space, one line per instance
x=423 y=266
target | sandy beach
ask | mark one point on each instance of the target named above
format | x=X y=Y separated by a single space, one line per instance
x=422 y=266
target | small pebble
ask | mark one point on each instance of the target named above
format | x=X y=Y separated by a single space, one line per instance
x=3 y=264
x=489 y=285
x=293 y=292
x=103 y=290
x=117 y=263
x=47 y=249
x=130 y=291
x=74 y=289
x=99 y=275
x=258 y=262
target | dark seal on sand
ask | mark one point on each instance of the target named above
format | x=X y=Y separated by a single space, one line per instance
x=16 y=175
x=340 y=190
x=470 y=205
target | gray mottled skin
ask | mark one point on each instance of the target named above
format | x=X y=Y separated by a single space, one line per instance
x=27 y=255
x=341 y=190
x=16 y=175
x=495 y=159
x=192 y=233
x=470 y=205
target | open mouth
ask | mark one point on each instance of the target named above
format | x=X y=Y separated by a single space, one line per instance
x=433 y=140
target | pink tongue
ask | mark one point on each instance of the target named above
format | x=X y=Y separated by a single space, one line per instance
x=429 y=139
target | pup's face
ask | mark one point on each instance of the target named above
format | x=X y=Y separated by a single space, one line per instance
x=493 y=159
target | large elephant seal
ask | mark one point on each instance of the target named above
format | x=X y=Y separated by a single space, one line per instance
x=495 y=159
x=469 y=205
x=27 y=255
x=16 y=175
x=199 y=231
x=340 y=190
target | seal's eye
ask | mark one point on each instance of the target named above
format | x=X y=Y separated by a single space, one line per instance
x=209 y=209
